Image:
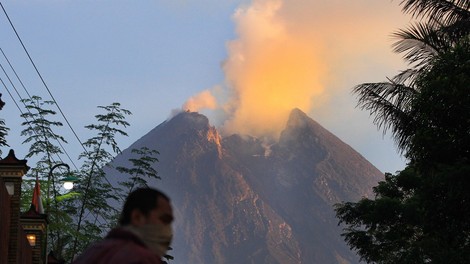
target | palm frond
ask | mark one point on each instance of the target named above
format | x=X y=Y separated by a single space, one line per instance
x=388 y=103
x=419 y=43
x=447 y=11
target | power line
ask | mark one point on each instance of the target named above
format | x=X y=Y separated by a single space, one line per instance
x=48 y=90
x=42 y=79
x=22 y=100
x=23 y=115
x=11 y=67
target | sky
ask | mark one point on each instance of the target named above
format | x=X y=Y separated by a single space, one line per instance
x=244 y=64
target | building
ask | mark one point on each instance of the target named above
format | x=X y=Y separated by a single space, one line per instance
x=24 y=233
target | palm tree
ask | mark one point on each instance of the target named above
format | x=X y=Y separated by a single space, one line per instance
x=444 y=23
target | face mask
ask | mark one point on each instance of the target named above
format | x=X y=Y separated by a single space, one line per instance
x=156 y=237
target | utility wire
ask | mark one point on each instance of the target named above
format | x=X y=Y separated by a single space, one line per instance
x=23 y=115
x=21 y=99
x=42 y=79
x=11 y=67
x=45 y=85
x=11 y=95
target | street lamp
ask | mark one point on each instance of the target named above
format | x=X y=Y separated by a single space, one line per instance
x=68 y=181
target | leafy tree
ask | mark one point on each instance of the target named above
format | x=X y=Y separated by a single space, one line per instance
x=46 y=146
x=82 y=216
x=443 y=24
x=414 y=218
x=440 y=112
x=44 y=142
x=79 y=217
x=3 y=134
x=98 y=194
x=3 y=128
x=422 y=214
x=384 y=230
x=141 y=167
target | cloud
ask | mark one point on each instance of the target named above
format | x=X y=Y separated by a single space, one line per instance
x=203 y=100
x=303 y=54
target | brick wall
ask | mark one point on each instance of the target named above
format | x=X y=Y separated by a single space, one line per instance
x=13 y=249
x=25 y=253
x=4 y=222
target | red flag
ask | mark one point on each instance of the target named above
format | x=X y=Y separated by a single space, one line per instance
x=37 y=202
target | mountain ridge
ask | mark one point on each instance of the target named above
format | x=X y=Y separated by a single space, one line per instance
x=242 y=199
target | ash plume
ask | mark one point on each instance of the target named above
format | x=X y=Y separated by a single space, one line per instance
x=300 y=54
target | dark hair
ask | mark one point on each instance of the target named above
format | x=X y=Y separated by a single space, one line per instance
x=143 y=199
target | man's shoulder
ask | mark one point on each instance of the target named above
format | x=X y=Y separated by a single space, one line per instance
x=120 y=246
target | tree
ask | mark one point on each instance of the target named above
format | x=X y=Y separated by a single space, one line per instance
x=82 y=216
x=422 y=214
x=3 y=128
x=141 y=167
x=44 y=142
x=63 y=213
x=440 y=111
x=97 y=193
x=444 y=24
x=45 y=145
x=3 y=134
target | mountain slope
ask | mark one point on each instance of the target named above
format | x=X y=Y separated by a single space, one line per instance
x=243 y=200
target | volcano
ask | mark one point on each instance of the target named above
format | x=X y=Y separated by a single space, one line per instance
x=241 y=199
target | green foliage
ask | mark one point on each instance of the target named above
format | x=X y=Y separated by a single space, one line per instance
x=3 y=128
x=3 y=134
x=386 y=229
x=414 y=218
x=421 y=214
x=81 y=217
x=440 y=110
x=389 y=102
x=45 y=144
x=39 y=130
x=141 y=167
x=95 y=210
x=27 y=187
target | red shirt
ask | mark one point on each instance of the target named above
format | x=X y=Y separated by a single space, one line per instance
x=119 y=247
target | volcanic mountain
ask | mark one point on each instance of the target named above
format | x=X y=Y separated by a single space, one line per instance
x=240 y=199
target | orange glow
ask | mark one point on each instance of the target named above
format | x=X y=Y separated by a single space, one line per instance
x=203 y=100
x=303 y=54
x=271 y=71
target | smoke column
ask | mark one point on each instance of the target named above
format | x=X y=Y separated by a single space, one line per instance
x=301 y=54
x=203 y=100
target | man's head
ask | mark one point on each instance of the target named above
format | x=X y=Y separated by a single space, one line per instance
x=144 y=206
x=148 y=214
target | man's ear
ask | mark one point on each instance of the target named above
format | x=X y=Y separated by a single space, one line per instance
x=137 y=218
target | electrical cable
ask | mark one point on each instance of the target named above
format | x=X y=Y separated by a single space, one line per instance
x=22 y=100
x=45 y=85
x=23 y=114
x=42 y=79
x=11 y=67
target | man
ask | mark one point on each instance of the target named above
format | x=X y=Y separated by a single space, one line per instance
x=144 y=235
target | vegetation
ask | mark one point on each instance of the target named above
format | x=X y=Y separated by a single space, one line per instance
x=421 y=214
x=95 y=208
x=84 y=215
x=141 y=167
x=3 y=128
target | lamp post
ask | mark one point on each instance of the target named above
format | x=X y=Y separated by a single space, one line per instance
x=68 y=184
x=68 y=181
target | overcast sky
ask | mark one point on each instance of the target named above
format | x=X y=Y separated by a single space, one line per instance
x=244 y=64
